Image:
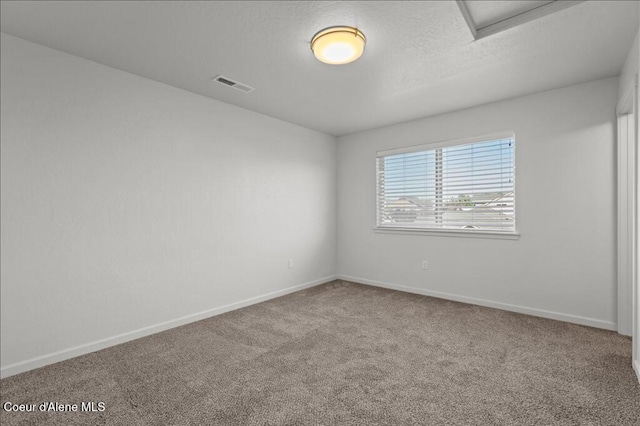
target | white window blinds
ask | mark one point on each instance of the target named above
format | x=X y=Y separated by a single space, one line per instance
x=460 y=185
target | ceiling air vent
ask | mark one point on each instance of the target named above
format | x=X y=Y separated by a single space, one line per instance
x=233 y=84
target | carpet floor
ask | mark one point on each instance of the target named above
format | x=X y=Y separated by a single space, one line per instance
x=346 y=354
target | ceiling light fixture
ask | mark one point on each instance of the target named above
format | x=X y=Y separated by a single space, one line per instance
x=338 y=45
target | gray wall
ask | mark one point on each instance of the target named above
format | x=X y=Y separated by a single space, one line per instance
x=563 y=266
x=129 y=206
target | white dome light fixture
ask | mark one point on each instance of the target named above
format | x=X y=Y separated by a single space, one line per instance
x=338 y=45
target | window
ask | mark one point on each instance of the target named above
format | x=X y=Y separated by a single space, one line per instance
x=466 y=186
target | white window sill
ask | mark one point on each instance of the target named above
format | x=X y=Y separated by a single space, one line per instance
x=449 y=233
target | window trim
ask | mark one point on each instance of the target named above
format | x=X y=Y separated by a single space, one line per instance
x=496 y=235
x=446 y=143
x=447 y=232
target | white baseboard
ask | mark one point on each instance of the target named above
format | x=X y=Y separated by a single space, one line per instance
x=592 y=322
x=41 y=361
x=636 y=368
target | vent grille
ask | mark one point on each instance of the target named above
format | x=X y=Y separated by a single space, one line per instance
x=233 y=84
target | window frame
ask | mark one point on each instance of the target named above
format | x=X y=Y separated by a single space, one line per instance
x=447 y=232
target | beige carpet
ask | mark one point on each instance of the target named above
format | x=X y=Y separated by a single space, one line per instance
x=347 y=354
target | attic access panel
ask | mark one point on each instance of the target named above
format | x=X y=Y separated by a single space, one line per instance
x=485 y=13
x=485 y=18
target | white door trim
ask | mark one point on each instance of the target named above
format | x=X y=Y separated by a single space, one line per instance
x=626 y=210
x=627 y=250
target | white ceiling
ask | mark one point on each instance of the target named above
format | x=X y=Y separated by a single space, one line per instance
x=420 y=58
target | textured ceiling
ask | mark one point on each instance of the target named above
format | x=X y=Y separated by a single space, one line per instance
x=420 y=58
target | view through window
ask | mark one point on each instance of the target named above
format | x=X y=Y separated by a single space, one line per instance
x=466 y=186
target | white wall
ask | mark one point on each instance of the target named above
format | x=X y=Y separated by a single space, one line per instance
x=128 y=204
x=563 y=266
x=630 y=68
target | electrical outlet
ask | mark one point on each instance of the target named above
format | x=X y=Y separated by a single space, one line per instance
x=290 y=263
x=425 y=264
